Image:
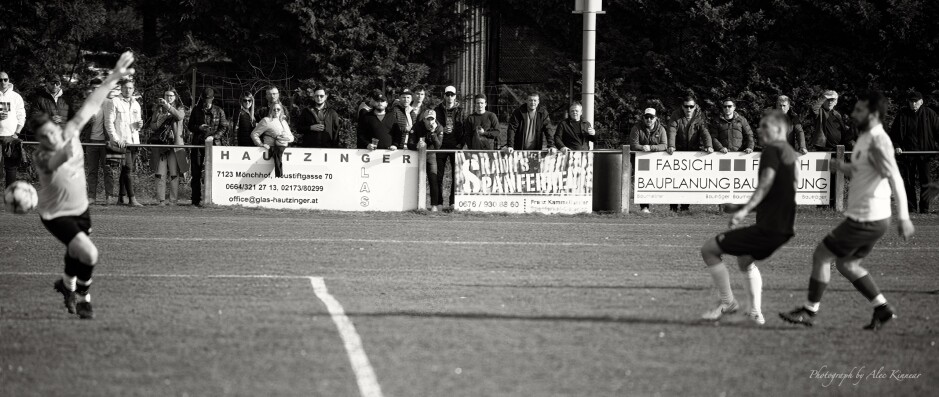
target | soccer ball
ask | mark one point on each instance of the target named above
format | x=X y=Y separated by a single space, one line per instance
x=20 y=197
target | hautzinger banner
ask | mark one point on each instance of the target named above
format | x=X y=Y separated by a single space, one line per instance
x=316 y=179
x=524 y=181
x=716 y=178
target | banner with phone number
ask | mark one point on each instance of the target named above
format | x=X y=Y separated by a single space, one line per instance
x=716 y=178
x=524 y=182
x=315 y=179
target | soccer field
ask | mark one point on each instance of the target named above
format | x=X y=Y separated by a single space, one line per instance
x=218 y=301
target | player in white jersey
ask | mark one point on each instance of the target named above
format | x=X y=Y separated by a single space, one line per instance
x=874 y=174
x=63 y=200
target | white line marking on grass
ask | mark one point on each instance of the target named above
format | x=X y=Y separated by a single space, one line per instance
x=446 y=242
x=265 y=276
x=364 y=374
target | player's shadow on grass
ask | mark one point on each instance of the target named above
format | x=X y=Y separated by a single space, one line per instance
x=737 y=320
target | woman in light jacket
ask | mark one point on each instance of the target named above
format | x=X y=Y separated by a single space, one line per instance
x=273 y=133
x=168 y=114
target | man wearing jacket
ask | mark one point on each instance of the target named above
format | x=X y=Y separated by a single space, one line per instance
x=529 y=127
x=12 y=120
x=318 y=125
x=573 y=133
x=796 y=136
x=122 y=124
x=205 y=121
x=732 y=132
x=379 y=127
x=51 y=101
x=916 y=128
x=648 y=136
x=429 y=134
x=404 y=114
x=481 y=128
x=450 y=117
x=831 y=128
x=687 y=132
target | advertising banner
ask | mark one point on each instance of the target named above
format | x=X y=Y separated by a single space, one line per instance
x=316 y=179
x=716 y=178
x=524 y=181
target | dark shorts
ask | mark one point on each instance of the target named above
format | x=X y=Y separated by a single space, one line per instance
x=751 y=240
x=65 y=228
x=855 y=239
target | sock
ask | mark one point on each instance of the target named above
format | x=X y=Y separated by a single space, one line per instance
x=816 y=290
x=722 y=282
x=878 y=301
x=84 y=298
x=69 y=282
x=82 y=287
x=754 y=287
x=865 y=285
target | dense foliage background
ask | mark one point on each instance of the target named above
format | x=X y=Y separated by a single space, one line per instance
x=650 y=52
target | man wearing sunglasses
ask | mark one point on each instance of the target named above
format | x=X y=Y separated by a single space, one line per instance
x=687 y=132
x=12 y=120
x=732 y=132
x=318 y=124
x=51 y=101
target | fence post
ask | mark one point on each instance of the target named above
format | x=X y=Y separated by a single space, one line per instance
x=422 y=178
x=626 y=188
x=839 y=180
x=209 y=152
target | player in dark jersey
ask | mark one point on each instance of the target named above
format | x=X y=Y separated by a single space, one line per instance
x=63 y=201
x=775 y=204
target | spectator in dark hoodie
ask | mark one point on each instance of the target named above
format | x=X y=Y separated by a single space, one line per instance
x=429 y=134
x=481 y=128
x=796 y=136
x=379 y=128
x=731 y=131
x=318 y=124
x=687 y=132
x=206 y=120
x=573 y=133
x=648 y=136
x=51 y=101
x=916 y=128
x=450 y=117
x=530 y=127
x=365 y=107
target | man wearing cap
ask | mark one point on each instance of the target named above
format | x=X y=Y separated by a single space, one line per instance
x=206 y=120
x=450 y=117
x=732 y=132
x=380 y=129
x=429 y=134
x=530 y=127
x=481 y=128
x=318 y=124
x=831 y=129
x=916 y=128
x=51 y=101
x=12 y=120
x=648 y=136
x=796 y=136
x=573 y=133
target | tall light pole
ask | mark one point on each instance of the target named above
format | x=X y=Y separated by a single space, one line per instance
x=590 y=9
